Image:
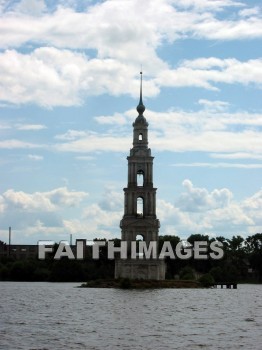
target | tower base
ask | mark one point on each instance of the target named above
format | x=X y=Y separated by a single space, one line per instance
x=146 y=269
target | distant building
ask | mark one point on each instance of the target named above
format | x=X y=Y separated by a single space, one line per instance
x=18 y=251
x=30 y=251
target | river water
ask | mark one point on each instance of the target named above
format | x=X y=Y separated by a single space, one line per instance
x=59 y=316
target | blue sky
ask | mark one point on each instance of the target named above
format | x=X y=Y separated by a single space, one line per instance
x=68 y=94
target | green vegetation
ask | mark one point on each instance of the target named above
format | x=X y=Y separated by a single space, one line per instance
x=206 y=280
x=63 y=270
x=242 y=262
x=187 y=273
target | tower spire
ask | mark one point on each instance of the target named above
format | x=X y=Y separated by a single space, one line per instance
x=141 y=108
x=141 y=99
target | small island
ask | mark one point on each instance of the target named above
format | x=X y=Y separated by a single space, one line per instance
x=126 y=283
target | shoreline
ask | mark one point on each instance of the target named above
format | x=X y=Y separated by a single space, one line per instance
x=141 y=284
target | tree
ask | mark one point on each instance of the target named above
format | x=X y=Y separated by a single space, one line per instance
x=187 y=273
x=206 y=280
x=198 y=238
x=172 y=266
x=254 y=252
x=236 y=243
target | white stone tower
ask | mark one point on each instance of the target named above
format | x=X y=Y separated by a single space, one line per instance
x=140 y=204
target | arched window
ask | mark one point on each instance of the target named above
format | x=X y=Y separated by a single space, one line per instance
x=139 y=238
x=140 y=137
x=140 y=178
x=140 y=206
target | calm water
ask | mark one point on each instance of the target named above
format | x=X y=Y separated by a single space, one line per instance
x=59 y=316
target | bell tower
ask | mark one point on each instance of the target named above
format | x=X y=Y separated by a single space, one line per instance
x=139 y=217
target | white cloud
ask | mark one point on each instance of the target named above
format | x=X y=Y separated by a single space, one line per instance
x=2 y=204
x=94 y=213
x=117 y=118
x=228 y=218
x=85 y=158
x=213 y=29
x=31 y=7
x=24 y=201
x=35 y=157
x=91 y=142
x=88 y=229
x=57 y=77
x=203 y=131
x=207 y=72
x=95 y=29
x=52 y=214
x=198 y=199
x=219 y=165
x=43 y=201
x=178 y=131
x=29 y=127
x=41 y=215
x=52 y=77
x=12 y=144
x=4 y=126
x=254 y=202
x=214 y=212
x=37 y=78
x=112 y=200
x=214 y=105
x=62 y=196
x=238 y=155
x=203 y=5
x=41 y=231
x=252 y=11
x=170 y=214
x=71 y=135
x=212 y=117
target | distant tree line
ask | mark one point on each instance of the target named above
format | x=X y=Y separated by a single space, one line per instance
x=242 y=262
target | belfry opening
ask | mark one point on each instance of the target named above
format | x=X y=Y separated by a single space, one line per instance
x=140 y=205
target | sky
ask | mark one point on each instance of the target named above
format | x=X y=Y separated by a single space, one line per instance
x=69 y=89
